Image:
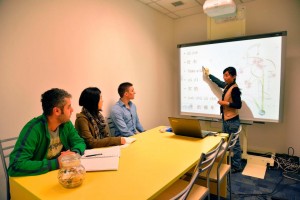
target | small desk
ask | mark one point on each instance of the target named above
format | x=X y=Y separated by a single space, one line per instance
x=146 y=168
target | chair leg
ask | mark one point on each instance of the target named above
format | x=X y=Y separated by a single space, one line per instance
x=208 y=186
x=229 y=178
x=218 y=190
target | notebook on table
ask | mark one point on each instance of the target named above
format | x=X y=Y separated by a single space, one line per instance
x=101 y=159
x=188 y=127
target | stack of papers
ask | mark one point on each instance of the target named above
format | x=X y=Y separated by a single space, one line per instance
x=101 y=159
x=129 y=140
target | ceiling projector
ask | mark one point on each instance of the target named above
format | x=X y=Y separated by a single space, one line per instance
x=217 y=8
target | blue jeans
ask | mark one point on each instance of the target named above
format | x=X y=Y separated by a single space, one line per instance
x=232 y=126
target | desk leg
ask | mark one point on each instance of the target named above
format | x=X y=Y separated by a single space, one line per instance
x=245 y=144
x=252 y=158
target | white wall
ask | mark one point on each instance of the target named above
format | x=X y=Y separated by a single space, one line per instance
x=265 y=16
x=74 y=44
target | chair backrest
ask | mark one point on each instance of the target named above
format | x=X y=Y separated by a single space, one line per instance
x=205 y=163
x=233 y=138
x=6 y=146
x=111 y=126
x=228 y=146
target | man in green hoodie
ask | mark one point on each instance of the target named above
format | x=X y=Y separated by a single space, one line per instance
x=44 y=139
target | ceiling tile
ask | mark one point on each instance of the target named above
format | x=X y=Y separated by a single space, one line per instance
x=201 y=2
x=188 y=7
x=145 y=1
x=148 y=1
x=158 y=8
x=185 y=4
x=172 y=15
x=190 y=11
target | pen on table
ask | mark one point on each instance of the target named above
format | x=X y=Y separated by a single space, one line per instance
x=97 y=154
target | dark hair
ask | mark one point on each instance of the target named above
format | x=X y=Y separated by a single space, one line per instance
x=123 y=87
x=54 y=98
x=89 y=99
x=231 y=71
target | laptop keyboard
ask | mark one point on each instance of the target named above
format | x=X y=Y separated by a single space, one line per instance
x=206 y=133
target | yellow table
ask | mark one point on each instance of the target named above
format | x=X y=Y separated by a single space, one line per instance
x=146 y=168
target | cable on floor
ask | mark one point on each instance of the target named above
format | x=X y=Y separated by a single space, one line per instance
x=289 y=164
x=291 y=175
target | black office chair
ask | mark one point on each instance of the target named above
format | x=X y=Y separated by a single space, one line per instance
x=6 y=146
x=183 y=189
x=222 y=169
x=111 y=126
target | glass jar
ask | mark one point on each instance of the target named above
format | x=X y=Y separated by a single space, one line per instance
x=71 y=174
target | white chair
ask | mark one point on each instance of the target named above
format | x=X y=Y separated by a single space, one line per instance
x=222 y=169
x=6 y=146
x=183 y=189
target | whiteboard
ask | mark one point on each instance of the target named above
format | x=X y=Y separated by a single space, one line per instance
x=259 y=61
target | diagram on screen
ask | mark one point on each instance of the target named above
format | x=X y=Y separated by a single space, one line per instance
x=258 y=65
x=263 y=70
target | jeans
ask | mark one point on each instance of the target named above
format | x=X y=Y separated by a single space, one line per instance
x=232 y=126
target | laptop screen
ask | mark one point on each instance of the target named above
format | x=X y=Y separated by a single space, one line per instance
x=186 y=127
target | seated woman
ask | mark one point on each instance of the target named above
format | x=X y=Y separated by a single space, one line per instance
x=90 y=122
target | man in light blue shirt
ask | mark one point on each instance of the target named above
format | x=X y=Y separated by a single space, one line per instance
x=123 y=114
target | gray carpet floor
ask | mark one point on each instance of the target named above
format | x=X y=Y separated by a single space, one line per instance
x=277 y=185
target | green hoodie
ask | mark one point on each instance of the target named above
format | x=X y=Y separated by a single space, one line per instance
x=29 y=156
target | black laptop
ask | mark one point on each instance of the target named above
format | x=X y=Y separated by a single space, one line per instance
x=188 y=127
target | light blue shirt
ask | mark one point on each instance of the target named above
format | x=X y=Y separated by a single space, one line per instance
x=125 y=120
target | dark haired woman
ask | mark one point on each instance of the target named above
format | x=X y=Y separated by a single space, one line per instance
x=229 y=105
x=90 y=123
